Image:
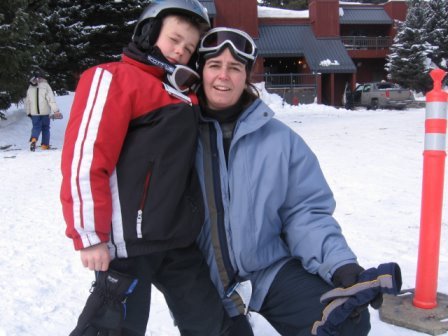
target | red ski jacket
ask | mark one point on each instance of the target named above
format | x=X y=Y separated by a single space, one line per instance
x=128 y=162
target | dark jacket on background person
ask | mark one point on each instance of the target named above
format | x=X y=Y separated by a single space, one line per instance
x=134 y=170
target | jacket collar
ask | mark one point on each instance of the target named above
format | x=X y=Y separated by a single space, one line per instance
x=254 y=117
x=156 y=71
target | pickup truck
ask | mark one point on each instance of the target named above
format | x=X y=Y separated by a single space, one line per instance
x=382 y=95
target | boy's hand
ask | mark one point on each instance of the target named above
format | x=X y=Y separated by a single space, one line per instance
x=96 y=257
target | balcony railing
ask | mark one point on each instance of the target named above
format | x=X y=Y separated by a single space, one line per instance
x=294 y=88
x=286 y=80
x=365 y=42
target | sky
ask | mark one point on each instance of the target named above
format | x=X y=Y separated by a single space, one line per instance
x=372 y=161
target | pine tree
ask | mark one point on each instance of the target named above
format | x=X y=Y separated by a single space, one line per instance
x=20 y=23
x=373 y=1
x=272 y=3
x=65 y=44
x=408 y=62
x=87 y=33
x=286 y=4
x=109 y=26
x=303 y=4
x=436 y=26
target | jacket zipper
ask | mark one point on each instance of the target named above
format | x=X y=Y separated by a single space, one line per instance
x=37 y=100
x=142 y=203
x=220 y=208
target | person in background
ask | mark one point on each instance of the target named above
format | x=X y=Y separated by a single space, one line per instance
x=40 y=104
x=348 y=97
x=130 y=194
x=270 y=238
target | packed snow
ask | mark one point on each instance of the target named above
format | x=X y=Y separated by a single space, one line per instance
x=372 y=160
x=270 y=12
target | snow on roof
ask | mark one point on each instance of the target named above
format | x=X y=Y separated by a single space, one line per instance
x=269 y=12
x=327 y=63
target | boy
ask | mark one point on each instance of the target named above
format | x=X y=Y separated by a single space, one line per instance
x=130 y=195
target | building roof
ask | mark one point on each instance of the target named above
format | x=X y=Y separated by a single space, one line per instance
x=210 y=6
x=364 y=15
x=326 y=55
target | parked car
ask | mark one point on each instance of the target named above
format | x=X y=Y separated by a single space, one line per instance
x=382 y=95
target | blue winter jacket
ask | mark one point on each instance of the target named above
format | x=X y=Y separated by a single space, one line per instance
x=276 y=204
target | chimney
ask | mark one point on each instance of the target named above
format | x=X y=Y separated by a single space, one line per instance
x=240 y=14
x=397 y=10
x=324 y=17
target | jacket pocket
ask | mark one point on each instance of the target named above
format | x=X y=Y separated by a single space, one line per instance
x=143 y=198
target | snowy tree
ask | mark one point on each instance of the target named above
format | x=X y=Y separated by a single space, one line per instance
x=21 y=22
x=86 y=33
x=436 y=26
x=109 y=26
x=373 y=1
x=408 y=62
x=303 y=4
x=286 y=4
x=64 y=44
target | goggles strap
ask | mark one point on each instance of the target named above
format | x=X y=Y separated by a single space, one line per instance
x=165 y=66
x=171 y=71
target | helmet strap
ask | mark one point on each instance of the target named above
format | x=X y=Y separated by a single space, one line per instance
x=134 y=52
x=149 y=34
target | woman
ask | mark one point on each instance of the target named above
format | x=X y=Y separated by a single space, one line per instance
x=269 y=224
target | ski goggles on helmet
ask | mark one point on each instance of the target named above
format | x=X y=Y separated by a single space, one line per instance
x=241 y=43
x=181 y=77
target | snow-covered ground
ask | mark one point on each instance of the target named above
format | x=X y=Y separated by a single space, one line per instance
x=372 y=160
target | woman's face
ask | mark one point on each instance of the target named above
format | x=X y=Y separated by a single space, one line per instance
x=224 y=80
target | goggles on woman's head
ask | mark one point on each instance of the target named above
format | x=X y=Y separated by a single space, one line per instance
x=240 y=42
x=181 y=77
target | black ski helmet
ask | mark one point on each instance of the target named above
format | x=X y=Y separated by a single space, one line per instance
x=37 y=73
x=149 y=24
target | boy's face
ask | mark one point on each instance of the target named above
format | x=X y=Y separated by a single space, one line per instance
x=177 y=40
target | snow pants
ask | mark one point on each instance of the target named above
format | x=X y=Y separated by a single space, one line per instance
x=183 y=277
x=292 y=304
x=41 y=124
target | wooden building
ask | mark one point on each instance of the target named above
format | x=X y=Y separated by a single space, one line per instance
x=314 y=54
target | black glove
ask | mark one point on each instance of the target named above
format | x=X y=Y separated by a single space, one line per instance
x=241 y=326
x=346 y=276
x=105 y=309
x=341 y=302
x=29 y=116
